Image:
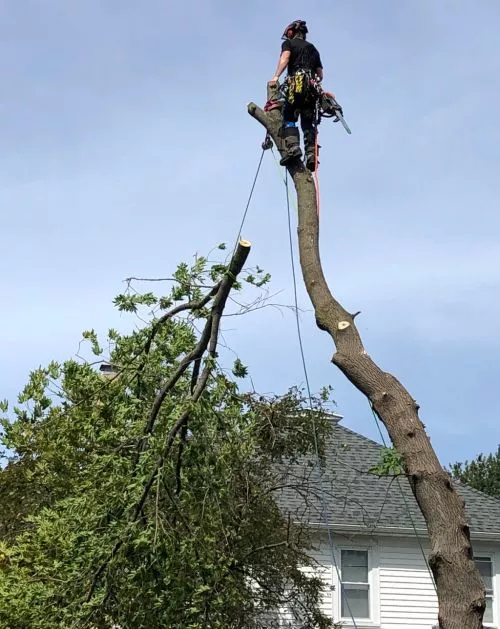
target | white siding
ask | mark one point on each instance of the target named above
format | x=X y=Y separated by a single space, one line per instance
x=324 y=571
x=403 y=595
x=407 y=595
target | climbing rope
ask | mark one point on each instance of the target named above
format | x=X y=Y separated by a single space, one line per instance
x=316 y=168
x=314 y=429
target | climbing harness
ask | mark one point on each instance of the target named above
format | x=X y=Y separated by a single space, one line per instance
x=298 y=84
x=327 y=105
x=303 y=86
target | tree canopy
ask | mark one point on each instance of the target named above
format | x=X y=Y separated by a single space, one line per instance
x=146 y=497
x=482 y=473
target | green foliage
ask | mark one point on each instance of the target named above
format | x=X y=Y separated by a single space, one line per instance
x=96 y=531
x=129 y=303
x=389 y=464
x=259 y=282
x=239 y=369
x=482 y=473
x=90 y=335
x=325 y=393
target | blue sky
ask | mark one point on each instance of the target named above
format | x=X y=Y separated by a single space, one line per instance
x=126 y=147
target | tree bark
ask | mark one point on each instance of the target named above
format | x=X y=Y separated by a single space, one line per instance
x=460 y=591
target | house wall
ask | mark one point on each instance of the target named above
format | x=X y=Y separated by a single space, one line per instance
x=407 y=595
x=402 y=594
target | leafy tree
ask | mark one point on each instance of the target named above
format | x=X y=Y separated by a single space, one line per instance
x=482 y=473
x=147 y=497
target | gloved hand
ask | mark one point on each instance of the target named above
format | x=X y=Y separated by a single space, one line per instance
x=330 y=105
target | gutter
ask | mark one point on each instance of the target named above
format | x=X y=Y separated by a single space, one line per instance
x=396 y=531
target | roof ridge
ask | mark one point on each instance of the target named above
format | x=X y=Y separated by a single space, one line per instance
x=483 y=494
x=360 y=436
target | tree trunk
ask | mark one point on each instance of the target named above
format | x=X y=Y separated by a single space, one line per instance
x=461 y=593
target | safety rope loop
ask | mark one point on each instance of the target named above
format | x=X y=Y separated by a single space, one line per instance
x=268 y=143
x=230 y=275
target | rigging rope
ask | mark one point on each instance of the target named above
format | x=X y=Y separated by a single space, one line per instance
x=249 y=199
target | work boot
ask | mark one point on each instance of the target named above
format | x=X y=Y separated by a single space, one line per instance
x=291 y=145
x=309 y=149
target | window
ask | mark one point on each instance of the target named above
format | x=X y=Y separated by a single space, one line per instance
x=355 y=584
x=485 y=567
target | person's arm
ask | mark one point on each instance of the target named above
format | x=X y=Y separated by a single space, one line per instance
x=282 y=64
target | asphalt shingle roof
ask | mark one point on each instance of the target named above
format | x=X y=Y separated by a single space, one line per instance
x=351 y=496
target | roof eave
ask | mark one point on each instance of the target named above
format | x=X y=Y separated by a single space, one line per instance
x=396 y=531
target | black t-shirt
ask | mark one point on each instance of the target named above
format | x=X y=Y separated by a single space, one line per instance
x=303 y=55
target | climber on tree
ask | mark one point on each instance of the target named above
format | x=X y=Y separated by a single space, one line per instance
x=303 y=62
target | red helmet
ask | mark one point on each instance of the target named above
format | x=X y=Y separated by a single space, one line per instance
x=296 y=27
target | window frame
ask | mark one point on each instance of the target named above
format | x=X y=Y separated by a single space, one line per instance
x=373 y=619
x=494 y=600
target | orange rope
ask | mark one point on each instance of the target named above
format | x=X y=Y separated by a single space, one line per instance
x=316 y=164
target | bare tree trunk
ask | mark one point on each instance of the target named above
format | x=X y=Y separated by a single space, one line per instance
x=461 y=594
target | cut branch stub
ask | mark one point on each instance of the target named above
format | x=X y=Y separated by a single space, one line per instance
x=459 y=587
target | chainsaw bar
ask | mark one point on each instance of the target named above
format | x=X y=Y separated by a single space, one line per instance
x=344 y=123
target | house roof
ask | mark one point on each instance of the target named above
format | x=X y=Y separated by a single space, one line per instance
x=353 y=498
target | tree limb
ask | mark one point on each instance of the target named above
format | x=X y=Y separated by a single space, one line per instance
x=459 y=587
x=224 y=287
x=235 y=267
x=208 y=339
x=190 y=306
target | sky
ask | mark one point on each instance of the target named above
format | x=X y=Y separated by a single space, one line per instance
x=127 y=148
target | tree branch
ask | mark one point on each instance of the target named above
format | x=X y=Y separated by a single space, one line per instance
x=190 y=306
x=208 y=339
x=238 y=260
x=460 y=589
x=178 y=465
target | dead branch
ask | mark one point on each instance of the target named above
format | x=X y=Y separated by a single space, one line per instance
x=459 y=586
